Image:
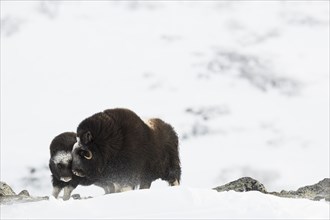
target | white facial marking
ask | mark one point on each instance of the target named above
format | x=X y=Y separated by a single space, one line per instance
x=75 y=146
x=77 y=173
x=66 y=179
x=62 y=157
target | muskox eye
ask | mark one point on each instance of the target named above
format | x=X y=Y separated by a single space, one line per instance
x=81 y=153
x=59 y=166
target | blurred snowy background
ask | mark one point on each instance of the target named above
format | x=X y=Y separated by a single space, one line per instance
x=245 y=84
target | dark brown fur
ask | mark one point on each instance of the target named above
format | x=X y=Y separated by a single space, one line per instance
x=126 y=151
x=64 y=143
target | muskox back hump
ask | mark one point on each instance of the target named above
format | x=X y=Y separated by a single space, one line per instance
x=166 y=140
x=163 y=132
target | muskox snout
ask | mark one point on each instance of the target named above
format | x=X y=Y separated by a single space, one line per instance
x=78 y=172
x=66 y=179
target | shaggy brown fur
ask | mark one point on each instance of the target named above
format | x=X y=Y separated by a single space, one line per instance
x=60 y=165
x=126 y=152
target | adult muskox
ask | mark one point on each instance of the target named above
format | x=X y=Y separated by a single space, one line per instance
x=117 y=148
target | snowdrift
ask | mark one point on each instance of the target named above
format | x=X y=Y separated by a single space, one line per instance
x=172 y=202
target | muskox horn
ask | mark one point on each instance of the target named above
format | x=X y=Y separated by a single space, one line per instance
x=88 y=154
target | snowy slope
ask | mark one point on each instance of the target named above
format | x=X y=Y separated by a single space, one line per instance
x=245 y=84
x=176 y=202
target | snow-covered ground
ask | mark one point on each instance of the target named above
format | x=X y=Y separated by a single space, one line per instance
x=176 y=202
x=245 y=84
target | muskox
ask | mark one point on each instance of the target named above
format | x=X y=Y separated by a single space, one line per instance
x=118 y=149
x=60 y=165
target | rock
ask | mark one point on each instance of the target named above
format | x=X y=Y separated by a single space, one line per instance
x=6 y=190
x=243 y=184
x=78 y=197
x=8 y=196
x=318 y=191
x=9 y=200
x=24 y=193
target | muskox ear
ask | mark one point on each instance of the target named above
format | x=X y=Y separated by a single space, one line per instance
x=88 y=136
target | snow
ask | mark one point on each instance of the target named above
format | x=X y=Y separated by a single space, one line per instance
x=245 y=85
x=175 y=202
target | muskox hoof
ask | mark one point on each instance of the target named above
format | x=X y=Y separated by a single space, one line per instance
x=65 y=198
x=174 y=183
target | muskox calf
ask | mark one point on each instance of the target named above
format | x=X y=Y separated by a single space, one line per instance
x=60 y=165
x=116 y=148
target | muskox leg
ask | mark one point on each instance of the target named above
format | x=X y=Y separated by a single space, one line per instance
x=174 y=172
x=122 y=188
x=125 y=189
x=174 y=183
x=67 y=192
x=174 y=176
x=56 y=191
x=145 y=184
x=109 y=188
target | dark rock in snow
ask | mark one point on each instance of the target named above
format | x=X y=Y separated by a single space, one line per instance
x=253 y=69
x=6 y=190
x=318 y=191
x=78 y=197
x=24 y=193
x=8 y=196
x=243 y=184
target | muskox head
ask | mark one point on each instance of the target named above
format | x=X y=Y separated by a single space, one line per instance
x=88 y=160
x=97 y=141
x=60 y=165
x=60 y=156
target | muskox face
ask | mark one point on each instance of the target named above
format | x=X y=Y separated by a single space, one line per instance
x=87 y=160
x=60 y=165
x=60 y=156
